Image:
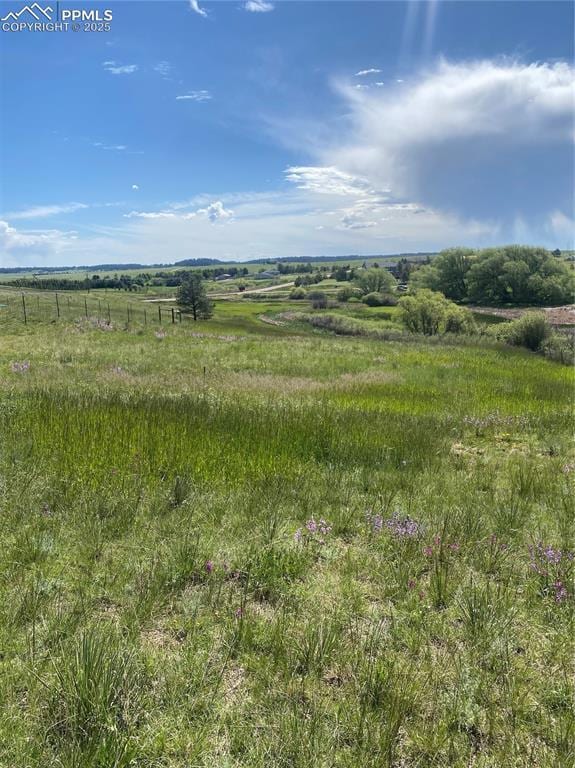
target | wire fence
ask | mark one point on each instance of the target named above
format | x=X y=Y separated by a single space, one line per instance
x=30 y=308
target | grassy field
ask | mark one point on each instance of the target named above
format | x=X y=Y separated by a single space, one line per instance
x=240 y=543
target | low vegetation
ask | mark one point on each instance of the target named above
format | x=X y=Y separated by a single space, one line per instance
x=298 y=528
x=283 y=535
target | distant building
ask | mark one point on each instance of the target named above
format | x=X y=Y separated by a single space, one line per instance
x=267 y=275
x=223 y=277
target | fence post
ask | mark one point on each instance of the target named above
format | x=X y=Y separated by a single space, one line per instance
x=180 y=315
x=24 y=308
x=109 y=316
x=145 y=318
x=57 y=307
x=160 y=313
x=86 y=307
x=128 y=307
x=173 y=316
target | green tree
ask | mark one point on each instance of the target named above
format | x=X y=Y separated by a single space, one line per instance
x=517 y=274
x=430 y=313
x=192 y=297
x=447 y=273
x=375 y=280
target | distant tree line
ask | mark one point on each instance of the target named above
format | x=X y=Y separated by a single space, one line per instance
x=512 y=274
x=121 y=282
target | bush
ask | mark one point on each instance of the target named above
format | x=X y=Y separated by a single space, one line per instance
x=347 y=293
x=375 y=280
x=529 y=331
x=298 y=293
x=431 y=313
x=379 y=300
x=318 y=299
x=560 y=347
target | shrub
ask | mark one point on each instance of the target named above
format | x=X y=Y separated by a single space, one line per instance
x=375 y=280
x=347 y=293
x=379 y=300
x=529 y=331
x=298 y=293
x=431 y=313
x=318 y=299
x=560 y=347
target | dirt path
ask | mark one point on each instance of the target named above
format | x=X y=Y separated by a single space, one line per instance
x=564 y=315
x=229 y=293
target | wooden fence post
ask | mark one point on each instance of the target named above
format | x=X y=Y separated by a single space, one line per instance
x=173 y=316
x=24 y=308
x=86 y=307
x=160 y=313
x=57 y=307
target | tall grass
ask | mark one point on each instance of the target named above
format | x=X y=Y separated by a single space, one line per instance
x=333 y=552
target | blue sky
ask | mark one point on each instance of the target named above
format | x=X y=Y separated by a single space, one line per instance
x=248 y=129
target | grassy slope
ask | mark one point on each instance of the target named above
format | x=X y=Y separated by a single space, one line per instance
x=156 y=609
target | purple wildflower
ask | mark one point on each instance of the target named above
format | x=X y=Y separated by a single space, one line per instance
x=428 y=551
x=560 y=591
x=20 y=367
x=209 y=566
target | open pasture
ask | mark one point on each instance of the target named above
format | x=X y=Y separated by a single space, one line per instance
x=240 y=543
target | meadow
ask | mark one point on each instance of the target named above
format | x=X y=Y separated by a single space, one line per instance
x=241 y=543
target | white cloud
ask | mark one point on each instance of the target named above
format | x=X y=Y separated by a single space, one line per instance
x=42 y=211
x=151 y=215
x=216 y=212
x=364 y=72
x=163 y=68
x=195 y=96
x=459 y=136
x=327 y=180
x=119 y=69
x=194 y=5
x=109 y=147
x=40 y=242
x=258 y=6
x=135 y=187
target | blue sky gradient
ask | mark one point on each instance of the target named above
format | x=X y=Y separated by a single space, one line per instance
x=241 y=130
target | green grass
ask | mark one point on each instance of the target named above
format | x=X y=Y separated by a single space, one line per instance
x=162 y=602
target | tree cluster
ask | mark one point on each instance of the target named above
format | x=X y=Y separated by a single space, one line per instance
x=510 y=274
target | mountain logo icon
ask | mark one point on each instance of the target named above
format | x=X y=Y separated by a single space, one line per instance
x=35 y=10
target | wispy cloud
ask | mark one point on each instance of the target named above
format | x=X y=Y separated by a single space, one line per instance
x=364 y=72
x=40 y=243
x=195 y=96
x=42 y=211
x=327 y=180
x=109 y=147
x=119 y=69
x=163 y=68
x=195 y=6
x=215 y=212
x=258 y=6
